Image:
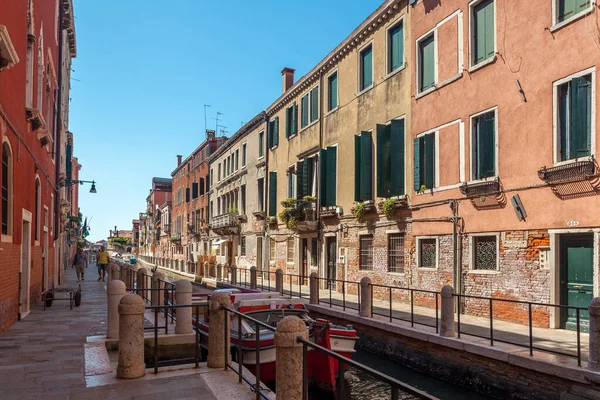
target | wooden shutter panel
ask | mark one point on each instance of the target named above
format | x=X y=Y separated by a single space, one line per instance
x=194 y=190
x=367 y=68
x=397 y=158
x=384 y=153
x=272 y=194
x=487 y=145
x=331 y=176
x=304 y=111
x=323 y=177
x=299 y=179
x=288 y=122
x=490 y=30
x=357 y=154
x=307 y=176
x=366 y=158
x=397 y=47
x=417 y=164
x=294 y=118
x=314 y=109
x=187 y=195
x=580 y=117
x=427 y=63
x=429 y=160
x=276 y=132
x=202 y=186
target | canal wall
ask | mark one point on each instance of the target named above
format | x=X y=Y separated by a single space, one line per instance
x=499 y=372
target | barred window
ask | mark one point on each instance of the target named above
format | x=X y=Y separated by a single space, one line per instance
x=485 y=250
x=427 y=253
x=272 y=249
x=366 y=252
x=243 y=246
x=290 y=250
x=396 y=253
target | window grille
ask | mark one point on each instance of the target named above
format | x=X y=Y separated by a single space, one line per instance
x=396 y=253
x=485 y=253
x=366 y=252
x=428 y=253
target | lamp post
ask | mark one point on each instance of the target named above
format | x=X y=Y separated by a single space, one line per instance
x=71 y=183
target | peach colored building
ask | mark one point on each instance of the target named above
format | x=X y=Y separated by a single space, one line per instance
x=504 y=137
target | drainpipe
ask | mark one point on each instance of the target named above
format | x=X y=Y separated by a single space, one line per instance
x=266 y=246
x=320 y=238
x=57 y=145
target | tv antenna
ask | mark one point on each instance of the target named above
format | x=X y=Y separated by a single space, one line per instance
x=205 y=106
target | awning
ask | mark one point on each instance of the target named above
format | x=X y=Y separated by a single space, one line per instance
x=219 y=242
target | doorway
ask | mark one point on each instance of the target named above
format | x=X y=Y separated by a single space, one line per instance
x=45 y=256
x=331 y=246
x=25 y=269
x=259 y=253
x=576 y=278
x=304 y=260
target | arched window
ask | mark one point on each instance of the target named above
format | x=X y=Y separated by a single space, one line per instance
x=6 y=215
x=38 y=207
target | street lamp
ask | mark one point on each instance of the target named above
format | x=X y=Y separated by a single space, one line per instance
x=71 y=183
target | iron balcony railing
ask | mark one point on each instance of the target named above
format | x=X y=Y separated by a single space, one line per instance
x=485 y=188
x=568 y=172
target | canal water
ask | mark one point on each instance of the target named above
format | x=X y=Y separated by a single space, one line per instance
x=363 y=386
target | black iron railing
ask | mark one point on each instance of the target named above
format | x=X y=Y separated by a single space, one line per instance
x=568 y=172
x=481 y=188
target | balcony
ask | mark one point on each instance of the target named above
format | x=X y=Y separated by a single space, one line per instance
x=571 y=172
x=478 y=189
x=299 y=215
x=225 y=224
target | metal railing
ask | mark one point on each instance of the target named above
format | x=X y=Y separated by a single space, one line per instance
x=529 y=305
x=396 y=385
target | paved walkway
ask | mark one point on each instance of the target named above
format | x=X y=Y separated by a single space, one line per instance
x=42 y=357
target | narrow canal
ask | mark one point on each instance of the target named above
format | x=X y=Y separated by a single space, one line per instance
x=364 y=386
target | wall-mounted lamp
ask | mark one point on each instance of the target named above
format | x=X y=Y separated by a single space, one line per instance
x=71 y=183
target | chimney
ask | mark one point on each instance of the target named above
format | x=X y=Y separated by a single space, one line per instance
x=287 y=78
x=179 y=160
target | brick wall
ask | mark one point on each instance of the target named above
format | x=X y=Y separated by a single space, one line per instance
x=9 y=290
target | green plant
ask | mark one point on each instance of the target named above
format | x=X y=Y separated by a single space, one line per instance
x=234 y=211
x=359 y=211
x=310 y=199
x=422 y=189
x=272 y=219
x=389 y=208
x=293 y=212
x=119 y=240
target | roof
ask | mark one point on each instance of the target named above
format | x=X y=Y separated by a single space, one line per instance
x=239 y=134
x=164 y=181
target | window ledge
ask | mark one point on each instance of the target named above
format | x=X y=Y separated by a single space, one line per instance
x=332 y=110
x=574 y=160
x=427 y=269
x=365 y=90
x=395 y=72
x=483 y=180
x=483 y=64
x=292 y=136
x=582 y=14
x=483 y=272
x=309 y=125
x=400 y=274
x=439 y=86
x=438 y=189
x=6 y=239
x=274 y=147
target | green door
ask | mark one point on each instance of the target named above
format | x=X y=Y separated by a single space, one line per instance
x=576 y=278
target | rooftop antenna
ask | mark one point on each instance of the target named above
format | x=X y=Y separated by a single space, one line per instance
x=219 y=113
x=205 y=128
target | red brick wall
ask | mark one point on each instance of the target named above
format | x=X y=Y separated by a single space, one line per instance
x=9 y=286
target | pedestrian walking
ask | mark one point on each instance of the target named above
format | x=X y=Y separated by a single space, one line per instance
x=102 y=260
x=79 y=263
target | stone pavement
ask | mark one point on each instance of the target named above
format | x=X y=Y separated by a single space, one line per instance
x=42 y=357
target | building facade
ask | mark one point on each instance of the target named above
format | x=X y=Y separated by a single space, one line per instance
x=159 y=194
x=37 y=42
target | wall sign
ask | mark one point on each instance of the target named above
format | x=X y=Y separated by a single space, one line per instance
x=572 y=223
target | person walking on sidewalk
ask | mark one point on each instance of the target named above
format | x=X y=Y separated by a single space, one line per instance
x=79 y=262
x=103 y=259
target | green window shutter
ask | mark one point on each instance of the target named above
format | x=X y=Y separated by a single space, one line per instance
x=288 y=122
x=307 y=176
x=314 y=104
x=294 y=118
x=299 y=179
x=357 y=154
x=276 y=131
x=270 y=134
x=427 y=63
x=417 y=164
x=304 y=111
x=187 y=195
x=396 y=56
x=397 y=158
x=367 y=68
x=272 y=194
x=333 y=92
x=330 y=197
x=484 y=31
x=429 y=160
x=485 y=146
x=384 y=153
x=490 y=29
x=366 y=158
x=570 y=8
x=580 y=117
x=323 y=177
x=68 y=157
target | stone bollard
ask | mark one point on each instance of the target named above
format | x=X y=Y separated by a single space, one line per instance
x=141 y=283
x=594 y=357
x=115 y=290
x=279 y=281
x=216 y=339
x=183 y=295
x=253 y=283
x=289 y=360
x=447 y=313
x=366 y=298
x=233 y=275
x=314 y=288
x=115 y=272
x=158 y=298
x=219 y=269
x=131 y=337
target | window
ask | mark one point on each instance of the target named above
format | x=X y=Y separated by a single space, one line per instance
x=201 y=185
x=38 y=208
x=291 y=123
x=243 y=155
x=261 y=144
x=424 y=164
x=567 y=9
x=194 y=190
x=274 y=132
x=363 y=167
x=187 y=194
x=390 y=159
x=574 y=124
x=291 y=185
x=332 y=92
x=427 y=253
x=237 y=159
x=328 y=163
x=485 y=253
x=483 y=145
x=309 y=107
x=291 y=250
x=51 y=215
x=243 y=246
x=209 y=179
x=6 y=176
x=426 y=63
x=272 y=248
x=482 y=32
x=273 y=193
x=395 y=47
x=366 y=68
x=366 y=252
x=243 y=196
x=306 y=177
x=219 y=173
x=260 y=194
x=396 y=253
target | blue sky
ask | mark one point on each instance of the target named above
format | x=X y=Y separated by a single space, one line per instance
x=145 y=69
